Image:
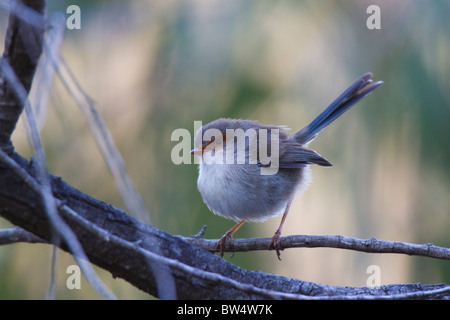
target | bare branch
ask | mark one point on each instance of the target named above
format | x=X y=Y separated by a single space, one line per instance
x=17 y=234
x=23 y=47
x=105 y=142
x=327 y=241
x=45 y=73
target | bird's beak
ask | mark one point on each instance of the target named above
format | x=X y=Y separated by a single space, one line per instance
x=197 y=151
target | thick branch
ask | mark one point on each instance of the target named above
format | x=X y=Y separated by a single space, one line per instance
x=23 y=47
x=327 y=241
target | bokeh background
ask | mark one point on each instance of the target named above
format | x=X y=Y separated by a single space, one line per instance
x=155 y=66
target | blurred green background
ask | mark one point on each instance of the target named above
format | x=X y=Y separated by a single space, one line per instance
x=155 y=66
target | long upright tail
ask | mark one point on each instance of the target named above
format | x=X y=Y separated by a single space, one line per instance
x=358 y=90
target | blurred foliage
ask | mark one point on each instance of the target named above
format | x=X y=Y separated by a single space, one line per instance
x=154 y=66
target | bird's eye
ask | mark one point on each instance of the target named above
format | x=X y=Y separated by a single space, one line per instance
x=217 y=142
x=207 y=143
x=222 y=139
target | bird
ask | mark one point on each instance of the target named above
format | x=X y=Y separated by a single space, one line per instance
x=231 y=180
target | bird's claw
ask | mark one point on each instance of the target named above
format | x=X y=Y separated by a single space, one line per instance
x=275 y=243
x=222 y=241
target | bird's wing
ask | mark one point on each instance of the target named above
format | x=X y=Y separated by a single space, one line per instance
x=295 y=155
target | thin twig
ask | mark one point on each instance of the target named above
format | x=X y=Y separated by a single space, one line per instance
x=51 y=289
x=45 y=72
x=201 y=233
x=326 y=241
x=105 y=142
x=17 y=234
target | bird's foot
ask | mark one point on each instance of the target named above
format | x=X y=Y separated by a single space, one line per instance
x=226 y=238
x=275 y=243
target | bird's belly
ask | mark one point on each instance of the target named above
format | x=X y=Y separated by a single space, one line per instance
x=239 y=192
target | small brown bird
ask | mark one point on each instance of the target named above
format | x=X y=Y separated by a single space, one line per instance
x=231 y=178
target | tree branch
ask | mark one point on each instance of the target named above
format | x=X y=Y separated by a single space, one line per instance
x=17 y=234
x=119 y=243
x=23 y=47
x=326 y=241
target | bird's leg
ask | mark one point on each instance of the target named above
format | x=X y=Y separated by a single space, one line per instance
x=275 y=242
x=227 y=237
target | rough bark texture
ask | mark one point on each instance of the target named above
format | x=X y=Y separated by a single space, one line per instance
x=23 y=47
